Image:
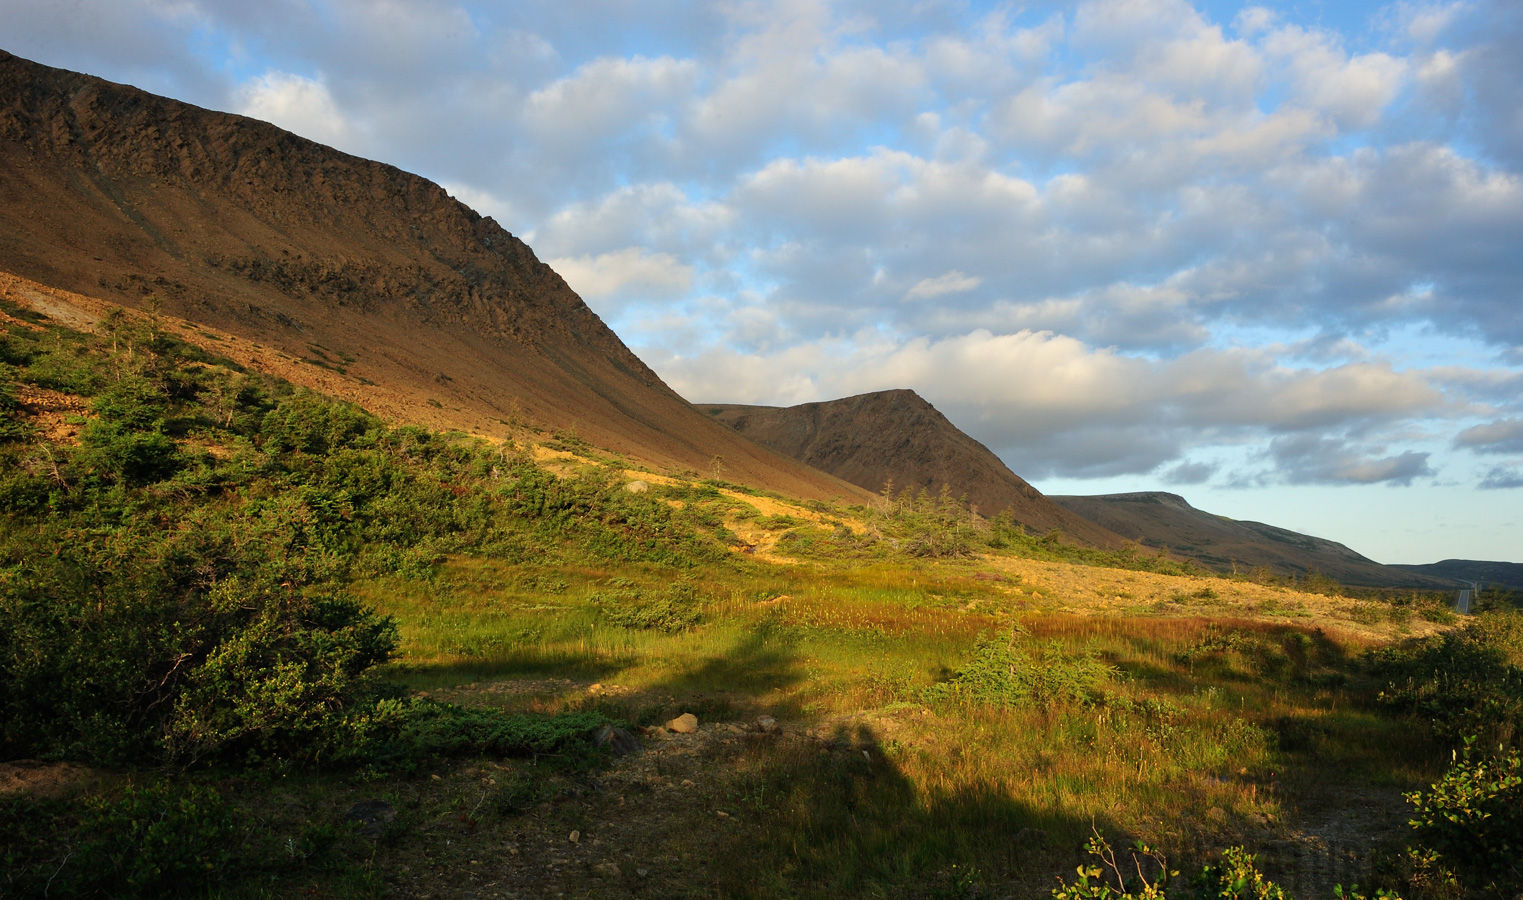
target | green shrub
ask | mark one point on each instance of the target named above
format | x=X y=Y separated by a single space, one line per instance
x=1464 y=683
x=672 y=610
x=1472 y=818
x=145 y=654
x=156 y=841
x=401 y=733
x=1236 y=878
x=1006 y=672
x=162 y=607
x=126 y=440
x=309 y=423
x=1132 y=882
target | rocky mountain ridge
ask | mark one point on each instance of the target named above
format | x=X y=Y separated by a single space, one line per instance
x=436 y=311
x=896 y=437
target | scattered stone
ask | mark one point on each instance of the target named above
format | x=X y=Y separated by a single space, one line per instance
x=766 y=724
x=575 y=837
x=595 y=689
x=371 y=816
x=721 y=814
x=637 y=487
x=1216 y=814
x=606 y=870
x=621 y=742
x=688 y=782
x=687 y=723
x=642 y=872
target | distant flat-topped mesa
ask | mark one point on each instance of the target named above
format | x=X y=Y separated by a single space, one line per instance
x=433 y=313
x=1163 y=520
x=872 y=439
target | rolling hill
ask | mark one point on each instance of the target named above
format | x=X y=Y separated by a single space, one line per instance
x=1159 y=519
x=1504 y=574
x=873 y=439
x=369 y=280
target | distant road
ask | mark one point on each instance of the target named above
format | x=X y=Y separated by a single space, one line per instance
x=1463 y=603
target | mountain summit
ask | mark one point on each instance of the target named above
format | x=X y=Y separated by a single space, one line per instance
x=873 y=439
x=432 y=312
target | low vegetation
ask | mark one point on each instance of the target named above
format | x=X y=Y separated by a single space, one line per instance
x=241 y=611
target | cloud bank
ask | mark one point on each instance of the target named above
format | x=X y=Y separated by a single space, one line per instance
x=1242 y=248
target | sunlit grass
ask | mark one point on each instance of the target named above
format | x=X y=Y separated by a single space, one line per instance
x=1208 y=725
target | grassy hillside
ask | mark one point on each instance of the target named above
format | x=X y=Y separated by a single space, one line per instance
x=259 y=643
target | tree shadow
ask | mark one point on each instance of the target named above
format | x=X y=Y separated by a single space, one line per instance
x=836 y=814
x=825 y=806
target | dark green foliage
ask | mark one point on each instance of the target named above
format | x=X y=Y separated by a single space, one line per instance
x=1008 y=671
x=1466 y=682
x=58 y=360
x=180 y=645
x=157 y=841
x=164 y=604
x=1473 y=819
x=403 y=732
x=126 y=441
x=309 y=423
x=671 y=610
x=154 y=841
x=940 y=528
x=1281 y=655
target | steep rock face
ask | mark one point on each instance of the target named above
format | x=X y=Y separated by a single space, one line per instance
x=115 y=193
x=896 y=436
x=1164 y=520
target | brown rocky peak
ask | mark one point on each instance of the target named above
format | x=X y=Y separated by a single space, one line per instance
x=433 y=313
x=896 y=436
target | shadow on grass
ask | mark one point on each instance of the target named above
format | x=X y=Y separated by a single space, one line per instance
x=839 y=808
x=837 y=815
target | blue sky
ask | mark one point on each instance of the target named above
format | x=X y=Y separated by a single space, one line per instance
x=1265 y=256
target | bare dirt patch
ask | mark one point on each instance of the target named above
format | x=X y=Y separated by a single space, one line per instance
x=33 y=779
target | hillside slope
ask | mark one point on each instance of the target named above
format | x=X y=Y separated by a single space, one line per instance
x=428 y=309
x=896 y=436
x=1159 y=519
x=1505 y=574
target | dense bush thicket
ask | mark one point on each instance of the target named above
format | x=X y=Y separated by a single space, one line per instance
x=1465 y=683
x=172 y=584
x=1467 y=686
x=1471 y=820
